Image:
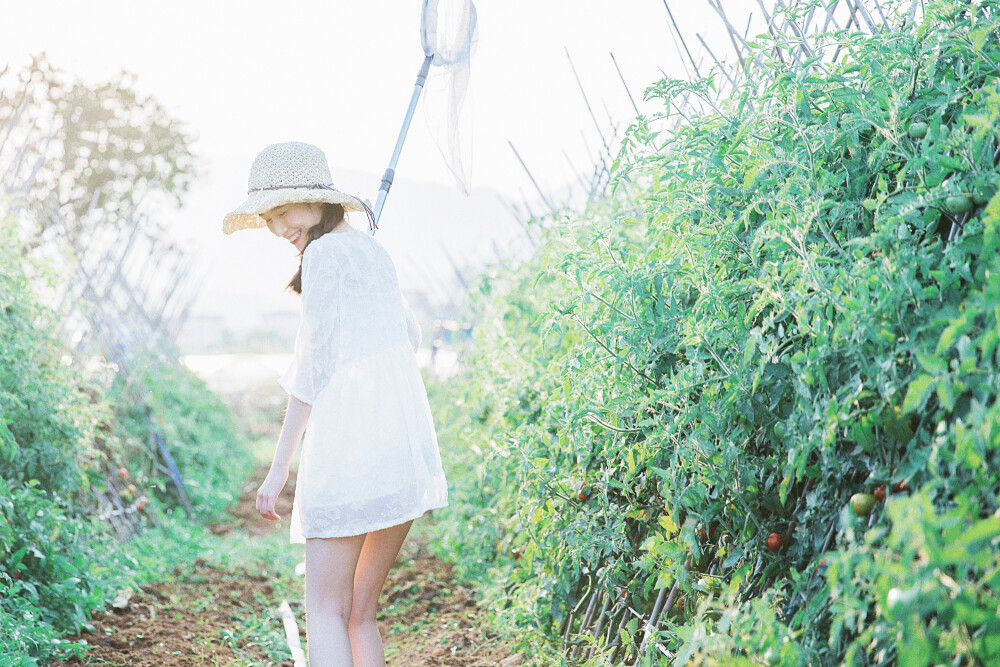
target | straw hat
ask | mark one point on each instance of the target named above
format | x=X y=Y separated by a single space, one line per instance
x=288 y=173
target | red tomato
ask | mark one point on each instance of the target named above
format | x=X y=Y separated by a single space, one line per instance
x=774 y=542
x=710 y=534
x=880 y=493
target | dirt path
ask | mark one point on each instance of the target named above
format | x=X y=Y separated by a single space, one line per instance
x=214 y=613
x=426 y=617
x=211 y=614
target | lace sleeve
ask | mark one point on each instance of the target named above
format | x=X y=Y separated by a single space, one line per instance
x=318 y=338
x=413 y=330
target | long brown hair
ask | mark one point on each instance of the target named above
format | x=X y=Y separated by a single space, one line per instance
x=331 y=217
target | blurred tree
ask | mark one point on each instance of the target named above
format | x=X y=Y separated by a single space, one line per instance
x=80 y=146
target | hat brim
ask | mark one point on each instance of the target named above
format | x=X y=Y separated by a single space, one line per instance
x=247 y=216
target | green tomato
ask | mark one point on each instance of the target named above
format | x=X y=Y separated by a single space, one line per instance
x=862 y=503
x=958 y=204
x=918 y=130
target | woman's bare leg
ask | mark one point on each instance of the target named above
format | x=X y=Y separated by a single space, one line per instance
x=377 y=556
x=330 y=567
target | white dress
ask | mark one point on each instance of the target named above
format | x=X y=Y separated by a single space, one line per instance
x=370 y=456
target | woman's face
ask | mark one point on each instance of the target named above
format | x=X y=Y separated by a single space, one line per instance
x=292 y=221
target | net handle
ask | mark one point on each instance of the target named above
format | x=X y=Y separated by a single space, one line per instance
x=390 y=172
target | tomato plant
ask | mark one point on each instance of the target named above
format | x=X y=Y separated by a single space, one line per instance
x=776 y=308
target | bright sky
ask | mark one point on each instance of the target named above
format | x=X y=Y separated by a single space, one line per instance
x=340 y=74
x=242 y=75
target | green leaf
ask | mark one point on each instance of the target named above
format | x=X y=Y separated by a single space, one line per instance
x=863 y=436
x=985 y=530
x=978 y=37
x=932 y=364
x=950 y=333
x=917 y=392
x=946 y=393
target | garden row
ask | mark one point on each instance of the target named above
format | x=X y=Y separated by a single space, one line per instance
x=82 y=468
x=761 y=376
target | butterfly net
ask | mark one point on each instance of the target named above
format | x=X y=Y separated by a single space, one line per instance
x=448 y=34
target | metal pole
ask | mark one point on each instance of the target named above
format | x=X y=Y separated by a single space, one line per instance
x=390 y=172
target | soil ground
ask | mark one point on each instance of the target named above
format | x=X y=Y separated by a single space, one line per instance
x=200 y=616
x=214 y=614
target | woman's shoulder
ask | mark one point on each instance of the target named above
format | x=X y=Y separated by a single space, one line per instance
x=354 y=247
x=331 y=243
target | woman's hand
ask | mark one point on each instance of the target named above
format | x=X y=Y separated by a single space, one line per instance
x=267 y=494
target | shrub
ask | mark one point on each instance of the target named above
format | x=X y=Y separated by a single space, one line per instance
x=790 y=300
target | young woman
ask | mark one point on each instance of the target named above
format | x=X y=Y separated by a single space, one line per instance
x=370 y=463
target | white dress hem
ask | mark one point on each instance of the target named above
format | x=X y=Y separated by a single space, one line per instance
x=376 y=526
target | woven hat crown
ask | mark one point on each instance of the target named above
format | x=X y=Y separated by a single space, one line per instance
x=293 y=164
x=289 y=173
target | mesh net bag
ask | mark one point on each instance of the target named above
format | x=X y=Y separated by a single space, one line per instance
x=448 y=35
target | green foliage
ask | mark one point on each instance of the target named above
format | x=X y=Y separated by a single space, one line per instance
x=169 y=402
x=46 y=423
x=790 y=300
x=63 y=438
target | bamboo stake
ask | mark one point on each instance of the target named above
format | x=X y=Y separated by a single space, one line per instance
x=625 y=85
x=588 y=616
x=809 y=18
x=587 y=103
x=680 y=57
x=681 y=37
x=178 y=321
x=712 y=55
x=750 y=579
x=292 y=634
x=672 y=598
x=577 y=174
x=616 y=642
x=829 y=537
x=599 y=626
x=805 y=47
x=864 y=14
x=851 y=20
x=717 y=6
x=770 y=28
x=533 y=181
x=885 y=21
x=15 y=116
x=30 y=179
x=15 y=165
x=829 y=16
x=654 y=618
x=180 y=278
x=527 y=207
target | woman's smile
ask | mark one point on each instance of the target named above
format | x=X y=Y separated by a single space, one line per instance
x=292 y=221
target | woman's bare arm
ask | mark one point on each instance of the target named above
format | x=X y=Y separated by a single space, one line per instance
x=296 y=418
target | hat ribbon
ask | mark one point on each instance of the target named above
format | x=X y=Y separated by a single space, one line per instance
x=318 y=186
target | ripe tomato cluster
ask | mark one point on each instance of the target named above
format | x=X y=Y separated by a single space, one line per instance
x=142 y=501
